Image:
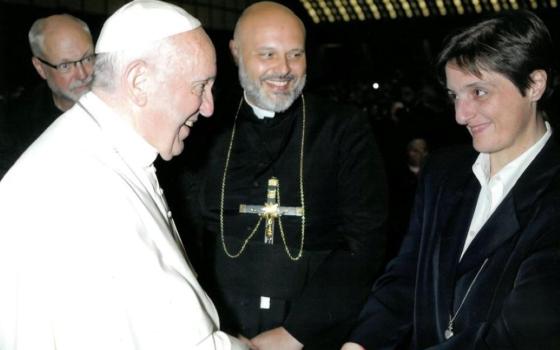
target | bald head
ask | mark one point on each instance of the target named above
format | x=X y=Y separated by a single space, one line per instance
x=63 y=55
x=265 y=14
x=45 y=31
x=269 y=48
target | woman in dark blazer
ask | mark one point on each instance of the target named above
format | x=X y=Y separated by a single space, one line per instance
x=480 y=266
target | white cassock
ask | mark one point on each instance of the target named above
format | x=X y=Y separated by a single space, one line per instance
x=88 y=256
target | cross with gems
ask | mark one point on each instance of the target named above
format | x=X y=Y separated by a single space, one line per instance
x=270 y=210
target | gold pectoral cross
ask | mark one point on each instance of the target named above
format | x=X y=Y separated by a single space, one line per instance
x=271 y=210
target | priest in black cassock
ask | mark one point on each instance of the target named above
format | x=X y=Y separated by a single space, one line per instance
x=292 y=197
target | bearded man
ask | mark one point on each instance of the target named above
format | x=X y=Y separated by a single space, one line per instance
x=63 y=57
x=295 y=271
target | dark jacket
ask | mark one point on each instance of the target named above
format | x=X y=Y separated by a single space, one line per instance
x=22 y=120
x=513 y=304
x=345 y=203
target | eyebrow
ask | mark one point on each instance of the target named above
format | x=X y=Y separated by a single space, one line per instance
x=262 y=48
x=474 y=84
x=205 y=81
x=86 y=54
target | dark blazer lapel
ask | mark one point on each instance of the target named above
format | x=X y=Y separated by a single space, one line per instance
x=512 y=213
x=500 y=227
x=456 y=208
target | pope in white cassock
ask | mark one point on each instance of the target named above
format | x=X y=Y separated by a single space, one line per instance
x=89 y=255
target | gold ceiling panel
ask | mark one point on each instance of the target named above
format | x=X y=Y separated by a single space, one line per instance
x=330 y=11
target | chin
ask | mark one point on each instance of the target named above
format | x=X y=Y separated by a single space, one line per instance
x=177 y=150
x=166 y=156
x=481 y=148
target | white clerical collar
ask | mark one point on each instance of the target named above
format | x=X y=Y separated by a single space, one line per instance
x=259 y=112
x=126 y=141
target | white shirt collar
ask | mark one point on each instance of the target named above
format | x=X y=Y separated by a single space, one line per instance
x=126 y=141
x=509 y=174
x=493 y=190
x=259 y=112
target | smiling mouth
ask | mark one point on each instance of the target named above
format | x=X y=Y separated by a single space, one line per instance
x=190 y=122
x=476 y=129
x=278 y=83
x=81 y=88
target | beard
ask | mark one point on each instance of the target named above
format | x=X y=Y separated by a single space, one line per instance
x=278 y=102
x=70 y=94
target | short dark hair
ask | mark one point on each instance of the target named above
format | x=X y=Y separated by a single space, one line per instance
x=514 y=45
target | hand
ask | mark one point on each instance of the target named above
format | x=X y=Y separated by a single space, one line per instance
x=276 y=339
x=247 y=342
x=352 y=346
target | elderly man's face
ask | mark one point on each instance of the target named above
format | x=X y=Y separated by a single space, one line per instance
x=185 y=94
x=67 y=43
x=270 y=53
x=500 y=120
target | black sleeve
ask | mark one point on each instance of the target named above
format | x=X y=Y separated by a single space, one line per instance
x=324 y=312
x=385 y=321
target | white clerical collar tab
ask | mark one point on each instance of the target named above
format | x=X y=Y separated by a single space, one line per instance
x=259 y=112
x=139 y=23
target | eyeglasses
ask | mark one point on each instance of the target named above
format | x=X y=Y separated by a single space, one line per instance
x=66 y=67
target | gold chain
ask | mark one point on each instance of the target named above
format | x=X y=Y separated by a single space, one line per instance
x=254 y=230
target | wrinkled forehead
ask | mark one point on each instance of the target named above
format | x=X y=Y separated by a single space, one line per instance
x=69 y=42
x=194 y=51
x=194 y=44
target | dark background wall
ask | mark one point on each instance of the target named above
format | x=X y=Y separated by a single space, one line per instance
x=344 y=53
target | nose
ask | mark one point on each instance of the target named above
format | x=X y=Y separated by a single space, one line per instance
x=81 y=71
x=284 y=65
x=207 y=106
x=464 y=111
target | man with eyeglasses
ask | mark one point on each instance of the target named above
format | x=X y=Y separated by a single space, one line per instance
x=62 y=49
x=63 y=55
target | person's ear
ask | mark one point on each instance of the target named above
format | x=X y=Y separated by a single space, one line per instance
x=538 y=85
x=39 y=67
x=234 y=49
x=136 y=82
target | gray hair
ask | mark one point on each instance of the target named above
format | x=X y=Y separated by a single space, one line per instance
x=109 y=66
x=36 y=33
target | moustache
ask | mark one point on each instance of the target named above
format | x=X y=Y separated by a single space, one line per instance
x=81 y=83
x=279 y=77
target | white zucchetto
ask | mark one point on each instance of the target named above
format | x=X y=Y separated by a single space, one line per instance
x=140 y=23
